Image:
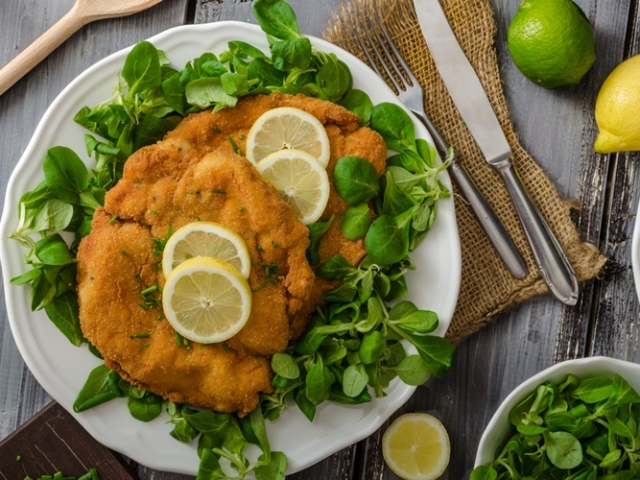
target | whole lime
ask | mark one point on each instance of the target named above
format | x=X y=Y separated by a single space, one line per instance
x=617 y=109
x=551 y=42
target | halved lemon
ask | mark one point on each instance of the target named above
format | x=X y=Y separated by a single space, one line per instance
x=287 y=128
x=300 y=180
x=206 y=239
x=206 y=300
x=416 y=447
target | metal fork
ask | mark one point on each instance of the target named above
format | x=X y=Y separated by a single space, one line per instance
x=406 y=86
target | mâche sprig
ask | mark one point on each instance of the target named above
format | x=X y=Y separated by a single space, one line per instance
x=574 y=429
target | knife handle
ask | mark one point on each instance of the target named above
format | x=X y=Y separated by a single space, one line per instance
x=555 y=268
x=484 y=213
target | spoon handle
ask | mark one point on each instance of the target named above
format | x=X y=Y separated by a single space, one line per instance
x=40 y=48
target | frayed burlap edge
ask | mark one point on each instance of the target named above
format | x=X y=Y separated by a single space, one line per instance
x=487 y=288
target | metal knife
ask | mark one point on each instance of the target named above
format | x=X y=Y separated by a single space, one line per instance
x=471 y=101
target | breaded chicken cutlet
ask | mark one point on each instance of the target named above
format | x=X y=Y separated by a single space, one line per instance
x=196 y=173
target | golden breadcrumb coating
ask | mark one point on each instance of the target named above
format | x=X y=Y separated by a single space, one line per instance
x=197 y=173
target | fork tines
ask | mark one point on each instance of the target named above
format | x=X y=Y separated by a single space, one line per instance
x=380 y=50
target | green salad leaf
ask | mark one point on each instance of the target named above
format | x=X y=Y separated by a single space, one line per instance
x=584 y=429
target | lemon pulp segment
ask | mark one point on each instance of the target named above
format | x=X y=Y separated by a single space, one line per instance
x=206 y=239
x=301 y=182
x=416 y=447
x=206 y=300
x=287 y=128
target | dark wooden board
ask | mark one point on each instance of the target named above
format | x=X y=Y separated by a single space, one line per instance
x=53 y=441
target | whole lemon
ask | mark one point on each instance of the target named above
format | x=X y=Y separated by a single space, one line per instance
x=551 y=42
x=617 y=107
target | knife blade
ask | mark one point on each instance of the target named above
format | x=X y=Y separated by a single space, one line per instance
x=472 y=102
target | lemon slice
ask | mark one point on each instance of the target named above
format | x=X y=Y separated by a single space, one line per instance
x=206 y=300
x=300 y=180
x=287 y=128
x=206 y=239
x=416 y=447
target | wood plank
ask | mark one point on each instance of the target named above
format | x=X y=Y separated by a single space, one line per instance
x=340 y=466
x=149 y=474
x=617 y=313
x=53 y=441
x=617 y=321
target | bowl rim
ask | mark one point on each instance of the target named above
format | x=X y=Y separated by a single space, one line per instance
x=497 y=430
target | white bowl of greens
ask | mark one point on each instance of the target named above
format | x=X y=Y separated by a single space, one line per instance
x=566 y=424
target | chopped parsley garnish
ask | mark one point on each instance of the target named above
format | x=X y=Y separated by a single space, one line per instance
x=140 y=335
x=234 y=146
x=159 y=243
x=150 y=301
x=271 y=271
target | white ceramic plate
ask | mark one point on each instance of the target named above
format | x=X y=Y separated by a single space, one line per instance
x=62 y=368
x=499 y=427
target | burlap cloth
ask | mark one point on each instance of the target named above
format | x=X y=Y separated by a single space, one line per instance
x=487 y=288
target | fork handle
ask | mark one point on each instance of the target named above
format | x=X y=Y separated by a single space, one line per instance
x=40 y=48
x=489 y=221
x=484 y=213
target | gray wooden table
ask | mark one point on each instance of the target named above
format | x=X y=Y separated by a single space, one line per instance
x=556 y=127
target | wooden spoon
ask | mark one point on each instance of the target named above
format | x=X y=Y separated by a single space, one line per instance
x=83 y=12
